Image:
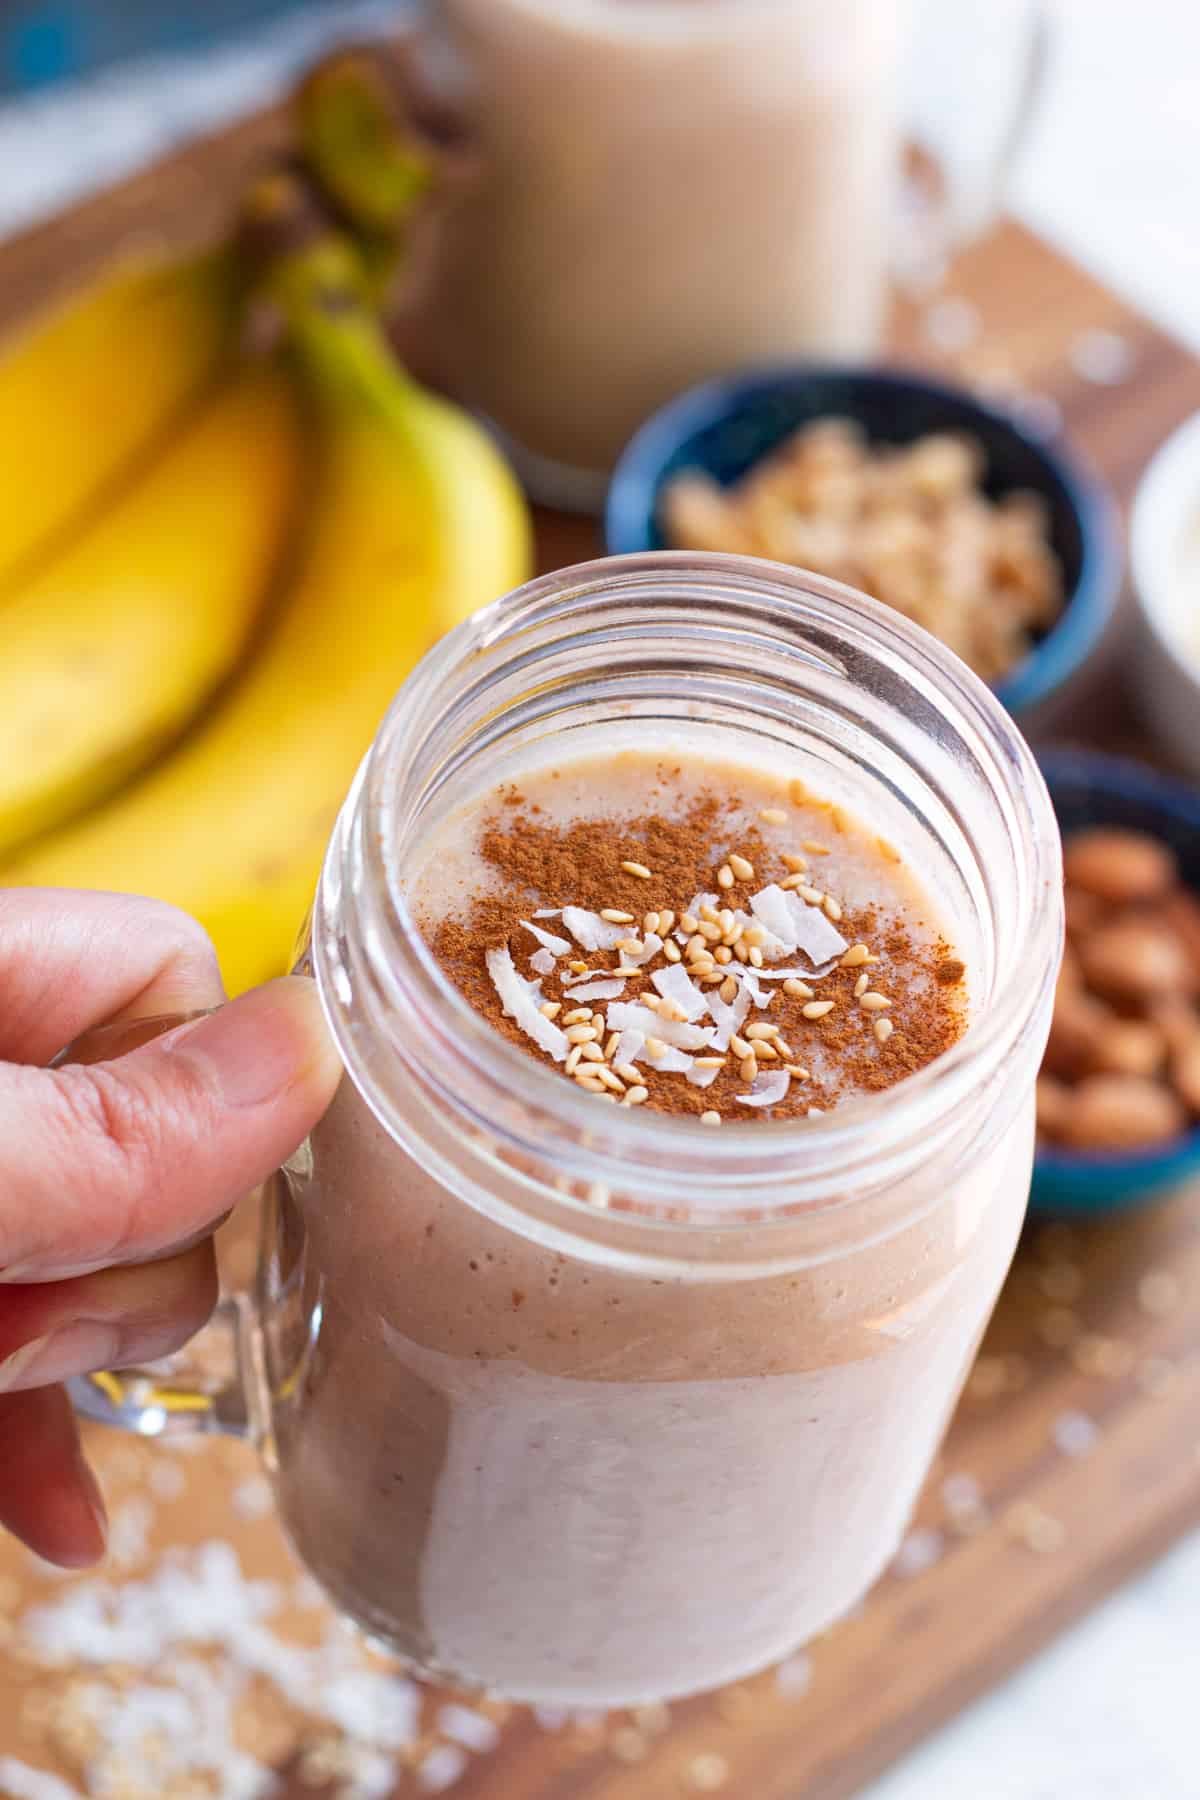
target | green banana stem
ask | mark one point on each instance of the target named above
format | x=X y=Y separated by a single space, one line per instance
x=370 y=165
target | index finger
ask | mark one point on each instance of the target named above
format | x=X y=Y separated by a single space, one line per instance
x=70 y=959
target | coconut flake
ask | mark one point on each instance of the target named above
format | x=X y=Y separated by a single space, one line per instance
x=751 y=979
x=766 y=1090
x=542 y=963
x=702 y=1077
x=548 y=912
x=813 y=933
x=521 y=1000
x=674 y=983
x=609 y=988
x=729 y=1015
x=547 y=939
x=623 y=1014
x=770 y=908
x=590 y=931
x=650 y=946
x=769 y=944
x=671 y=1061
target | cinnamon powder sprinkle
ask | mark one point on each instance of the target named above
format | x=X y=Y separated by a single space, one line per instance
x=654 y=865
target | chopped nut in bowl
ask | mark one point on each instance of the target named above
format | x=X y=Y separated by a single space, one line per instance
x=916 y=493
x=1119 y=1091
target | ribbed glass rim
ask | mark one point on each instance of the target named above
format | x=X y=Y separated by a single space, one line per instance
x=762 y=1169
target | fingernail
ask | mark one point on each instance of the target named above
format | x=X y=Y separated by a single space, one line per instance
x=255 y=1048
x=95 y=1499
x=71 y=1350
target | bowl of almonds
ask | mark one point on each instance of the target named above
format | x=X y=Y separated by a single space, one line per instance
x=915 y=492
x=1119 y=1091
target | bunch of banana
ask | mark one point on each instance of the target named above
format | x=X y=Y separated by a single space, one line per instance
x=92 y=387
x=415 y=520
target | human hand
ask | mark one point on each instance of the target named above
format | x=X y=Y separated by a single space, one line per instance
x=113 y=1176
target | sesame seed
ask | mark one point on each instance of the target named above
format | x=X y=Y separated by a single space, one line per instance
x=813 y=895
x=724 y=876
x=791 y=882
x=855 y=956
x=710 y=1118
x=665 y=921
x=742 y=869
x=588 y=1079
x=671 y=950
x=651 y=1002
x=814 y=848
x=816 y=1009
x=614 y=917
x=887 y=850
x=573 y=1056
x=711 y=913
x=710 y=978
x=650 y=923
x=627 y=969
x=748 y=1069
x=628 y=1071
x=861 y=985
x=729 y=988
x=792 y=860
x=550 y=1009
x=710 y=1062
x=735 y=933
x=701 y=967
x=754 y=935
x=754 y=953
x=797 y=793
x=767 y=1050
x=610 y=1080
x=578 y=968
x=833 y=908
x=726 y=920
x=696 y=944
x=772 y=815
x=761 y=1031
x=796 y=1070
x=739 y=1046
x=632 y=944
x=669 y=1009
x=874 y=1002
x=707 y=1772
x=638 y=869
x=797 y=990
x=580 y=1016
x=883 y=1030
x=710 y=931
x=614 y=1038
x=591 y=1053
x=784 y=1048
x=723 y=953
x=688 y=923
x=655 y=1048
x=581 y=1034
x=637 y=1096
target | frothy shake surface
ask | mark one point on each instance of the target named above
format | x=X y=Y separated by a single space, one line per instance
x=697 y=937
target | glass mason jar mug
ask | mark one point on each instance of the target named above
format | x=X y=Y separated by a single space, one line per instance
x=636 y=197
x=586 y=1404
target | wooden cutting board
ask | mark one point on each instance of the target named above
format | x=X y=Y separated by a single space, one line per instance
x=1074 y=1456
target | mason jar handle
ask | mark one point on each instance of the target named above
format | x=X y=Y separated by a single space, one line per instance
x=201 y=1388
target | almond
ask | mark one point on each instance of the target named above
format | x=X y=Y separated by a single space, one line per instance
x=1185 y=1073
x=1129 y=1047
x=1053 y=1106
x=1079 y=1022
x=1133 y=959
x=1084 y=911
x=1121 y=1112
x=1118 y=866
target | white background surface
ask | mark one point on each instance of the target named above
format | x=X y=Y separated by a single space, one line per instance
x=1112 y=174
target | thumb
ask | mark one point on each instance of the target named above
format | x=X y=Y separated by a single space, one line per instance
x=123 y=1160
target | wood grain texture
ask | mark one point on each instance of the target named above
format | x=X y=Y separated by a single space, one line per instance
x=925 y=1643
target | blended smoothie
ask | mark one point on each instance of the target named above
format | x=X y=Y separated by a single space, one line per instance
x=589 y=1482
x=653 y=191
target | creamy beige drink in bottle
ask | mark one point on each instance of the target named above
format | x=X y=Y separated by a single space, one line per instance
x=613 y=1315
x=663 y=190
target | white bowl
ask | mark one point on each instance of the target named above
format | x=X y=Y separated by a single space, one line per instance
x=1165 y=562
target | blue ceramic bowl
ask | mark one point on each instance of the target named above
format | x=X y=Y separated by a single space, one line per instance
x=727 y=425
x=1090 y=789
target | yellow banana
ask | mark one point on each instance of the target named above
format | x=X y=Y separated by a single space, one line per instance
x=417 y=521
x=118 y=641
x=88 y=388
